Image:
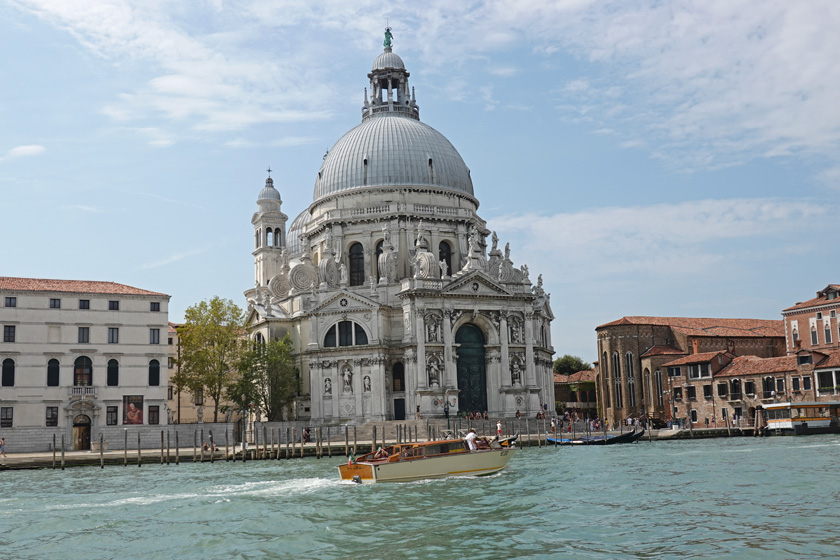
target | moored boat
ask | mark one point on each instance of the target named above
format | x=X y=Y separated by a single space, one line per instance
x=434 y=459
x=626 y=437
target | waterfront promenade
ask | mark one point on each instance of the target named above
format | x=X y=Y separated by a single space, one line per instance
x=366 y=440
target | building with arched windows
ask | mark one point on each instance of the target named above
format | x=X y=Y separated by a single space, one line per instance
x=386 y=282
x=80 y=360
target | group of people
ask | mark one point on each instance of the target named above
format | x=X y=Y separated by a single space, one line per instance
x=478 y=415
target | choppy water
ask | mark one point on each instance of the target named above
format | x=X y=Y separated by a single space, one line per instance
x=725 y=498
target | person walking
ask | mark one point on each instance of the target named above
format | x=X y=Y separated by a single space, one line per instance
x=3 y=447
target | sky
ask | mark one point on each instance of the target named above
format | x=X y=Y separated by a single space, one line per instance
x=662 y=158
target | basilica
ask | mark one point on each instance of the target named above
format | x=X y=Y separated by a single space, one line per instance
x=398 y=299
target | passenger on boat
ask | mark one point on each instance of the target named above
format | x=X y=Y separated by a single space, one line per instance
x=381 y=454
x=471 y=440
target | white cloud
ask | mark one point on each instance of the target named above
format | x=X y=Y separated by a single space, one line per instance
x=23 y=151
x=85 y=208
x=645 y=242
x=174 y=258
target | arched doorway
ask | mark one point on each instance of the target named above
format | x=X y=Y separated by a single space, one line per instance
x=81 y=432
x=472 y=377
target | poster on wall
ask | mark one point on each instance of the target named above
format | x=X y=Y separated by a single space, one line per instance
x=132 y=409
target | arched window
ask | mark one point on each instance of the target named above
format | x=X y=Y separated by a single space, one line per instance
x=257 y=239
x=52 y=373
x=269 y=237
x=617 y=380
x=154 y=373
x=357 y=264
x=631 y=379
x=259 y=338
x=659 y=396
x=398 y=374
x=379 y=251
x=8 y=376
x=445 y=254
x=346 y=333
x=606 y=380
x=82 y=372
x=278 y=237
x=113 y=373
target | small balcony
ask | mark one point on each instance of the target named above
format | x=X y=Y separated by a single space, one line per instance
x=82 y=392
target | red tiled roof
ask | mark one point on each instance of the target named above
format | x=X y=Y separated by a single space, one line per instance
x=71 y=286
x=832 y=360
x=661 y=351
x=822 y=298
x=700 y=358
x=696 y=326
x=584 y=376
x=753 y=365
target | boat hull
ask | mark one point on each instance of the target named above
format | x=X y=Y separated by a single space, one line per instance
x=472 y=463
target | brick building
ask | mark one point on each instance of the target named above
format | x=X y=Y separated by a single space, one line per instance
x=633 y=353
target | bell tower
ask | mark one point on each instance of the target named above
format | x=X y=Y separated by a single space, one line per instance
x=269 y=234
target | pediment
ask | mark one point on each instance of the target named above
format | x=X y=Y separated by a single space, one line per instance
x=257 y=314
x=474 y=283
x=345 y=302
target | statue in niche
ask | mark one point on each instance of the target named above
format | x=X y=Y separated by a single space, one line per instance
x=433 y=331
x=444 y=269
x=515 y=374
x=347 y=377
x=515 y=332
x=434 y=374
x=367 y=384
x=342 y=270
x=327 y=386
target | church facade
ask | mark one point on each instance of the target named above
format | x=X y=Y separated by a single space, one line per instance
x=397 y=297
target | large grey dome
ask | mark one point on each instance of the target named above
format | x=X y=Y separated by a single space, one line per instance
x=392 y=150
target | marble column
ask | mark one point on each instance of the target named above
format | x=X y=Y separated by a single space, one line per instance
x=530 y=376
x=450 y=373
x=504 y=341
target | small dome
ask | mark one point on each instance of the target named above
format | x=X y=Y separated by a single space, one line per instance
x=269 y=192
x=293 y=243
x=388 y=59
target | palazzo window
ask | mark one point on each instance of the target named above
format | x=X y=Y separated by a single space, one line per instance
x=82 y=372
x=345 y=333
x=357 y=264
x=52 y=373
x=111 y=416
x=154 y=373
x=52 y=416
x=6 y=416
x=7 y=379
x=113 y=373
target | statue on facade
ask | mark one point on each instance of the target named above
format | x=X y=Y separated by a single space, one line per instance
x=515 y=374
x=514 y=331
x=327 y=386
x=444 y=269
x=495 y=239
x=347 y=377
x=433 y=331
x=434 y=374
x=342 y=271
x=367 y=384
x=388 y=38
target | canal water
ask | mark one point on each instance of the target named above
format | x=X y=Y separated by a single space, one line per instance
x=721 y=498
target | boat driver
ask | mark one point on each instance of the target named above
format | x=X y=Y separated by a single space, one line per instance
x=471 y=439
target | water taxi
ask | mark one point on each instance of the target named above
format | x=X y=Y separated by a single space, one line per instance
x=803 y=417
x=433 y=459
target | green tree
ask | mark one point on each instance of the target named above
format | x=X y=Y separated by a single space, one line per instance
x=212 y=344
x=268 y=378
x=568 y=365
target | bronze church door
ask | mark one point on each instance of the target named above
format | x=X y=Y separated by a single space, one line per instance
x=472 y=377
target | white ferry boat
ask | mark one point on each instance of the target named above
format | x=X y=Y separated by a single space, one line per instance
x=803 y=417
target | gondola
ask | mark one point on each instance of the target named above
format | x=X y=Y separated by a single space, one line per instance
x=627 y=437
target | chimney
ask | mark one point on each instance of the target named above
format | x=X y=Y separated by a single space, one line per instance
x=695 y=345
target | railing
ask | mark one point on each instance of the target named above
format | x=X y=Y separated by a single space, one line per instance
x=83 y=391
